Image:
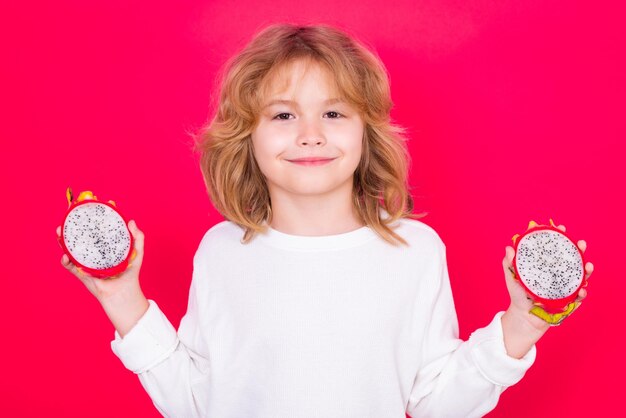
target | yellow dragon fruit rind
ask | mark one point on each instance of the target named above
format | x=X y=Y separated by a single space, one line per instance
x=555 y=319
x=532 y=224
x=69 y=195
x=84 y=195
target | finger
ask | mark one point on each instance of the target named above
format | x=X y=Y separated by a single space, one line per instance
x=137 y=235
x=589 y=269
x=582 y=244
x=561 y=227
x=59 y=231
x=581 y=295
x=512 y=275
x=139 y=241
x=67 y=263
x=509 y=253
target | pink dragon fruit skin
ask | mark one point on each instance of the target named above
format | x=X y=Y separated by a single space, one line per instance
x=95 y=236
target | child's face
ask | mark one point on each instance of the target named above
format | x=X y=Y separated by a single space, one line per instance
x=307 y=124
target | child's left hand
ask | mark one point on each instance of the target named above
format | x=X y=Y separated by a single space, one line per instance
x=520 y=301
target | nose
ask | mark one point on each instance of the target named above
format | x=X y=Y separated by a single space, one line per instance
x=310 y=134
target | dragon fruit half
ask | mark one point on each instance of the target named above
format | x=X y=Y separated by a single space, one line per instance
x=95 y=237
x=550 y=266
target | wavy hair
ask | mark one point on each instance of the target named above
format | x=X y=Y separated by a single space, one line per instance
x=235 y=184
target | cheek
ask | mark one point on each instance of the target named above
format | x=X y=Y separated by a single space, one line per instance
x=265 y=151
x=268 y=140
x=268 y=158
x=356 y=160
x=356 y=144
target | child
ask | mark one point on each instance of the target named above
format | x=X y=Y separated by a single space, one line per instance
x=321 y=295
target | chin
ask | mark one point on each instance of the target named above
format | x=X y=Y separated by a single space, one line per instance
x=314 y=187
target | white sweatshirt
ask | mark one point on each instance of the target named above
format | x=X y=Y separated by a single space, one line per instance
x=333 y=326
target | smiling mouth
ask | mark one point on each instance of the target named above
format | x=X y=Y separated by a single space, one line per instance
x=312 y=161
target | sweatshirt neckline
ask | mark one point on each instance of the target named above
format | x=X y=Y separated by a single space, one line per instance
x=349 y=239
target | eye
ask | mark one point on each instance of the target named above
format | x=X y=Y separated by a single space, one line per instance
x=334 y=115
x=282 y=116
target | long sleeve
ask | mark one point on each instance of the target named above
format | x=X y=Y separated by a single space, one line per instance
x=171 y=366
x=461 y=378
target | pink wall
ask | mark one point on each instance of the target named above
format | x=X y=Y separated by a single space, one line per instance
x=515 y=111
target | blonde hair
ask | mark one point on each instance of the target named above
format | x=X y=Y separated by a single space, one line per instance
x=233 y=179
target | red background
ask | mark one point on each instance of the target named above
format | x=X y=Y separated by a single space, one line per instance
x=515 y=111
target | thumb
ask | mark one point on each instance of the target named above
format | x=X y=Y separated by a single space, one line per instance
x=507 y=261
x=510 y=253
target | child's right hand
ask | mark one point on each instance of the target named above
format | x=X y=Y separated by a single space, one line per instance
x=119 y=286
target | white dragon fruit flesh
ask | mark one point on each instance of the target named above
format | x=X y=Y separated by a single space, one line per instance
x=550 y=267
x=95 y=237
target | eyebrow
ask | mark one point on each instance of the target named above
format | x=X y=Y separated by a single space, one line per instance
x=291 y=102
